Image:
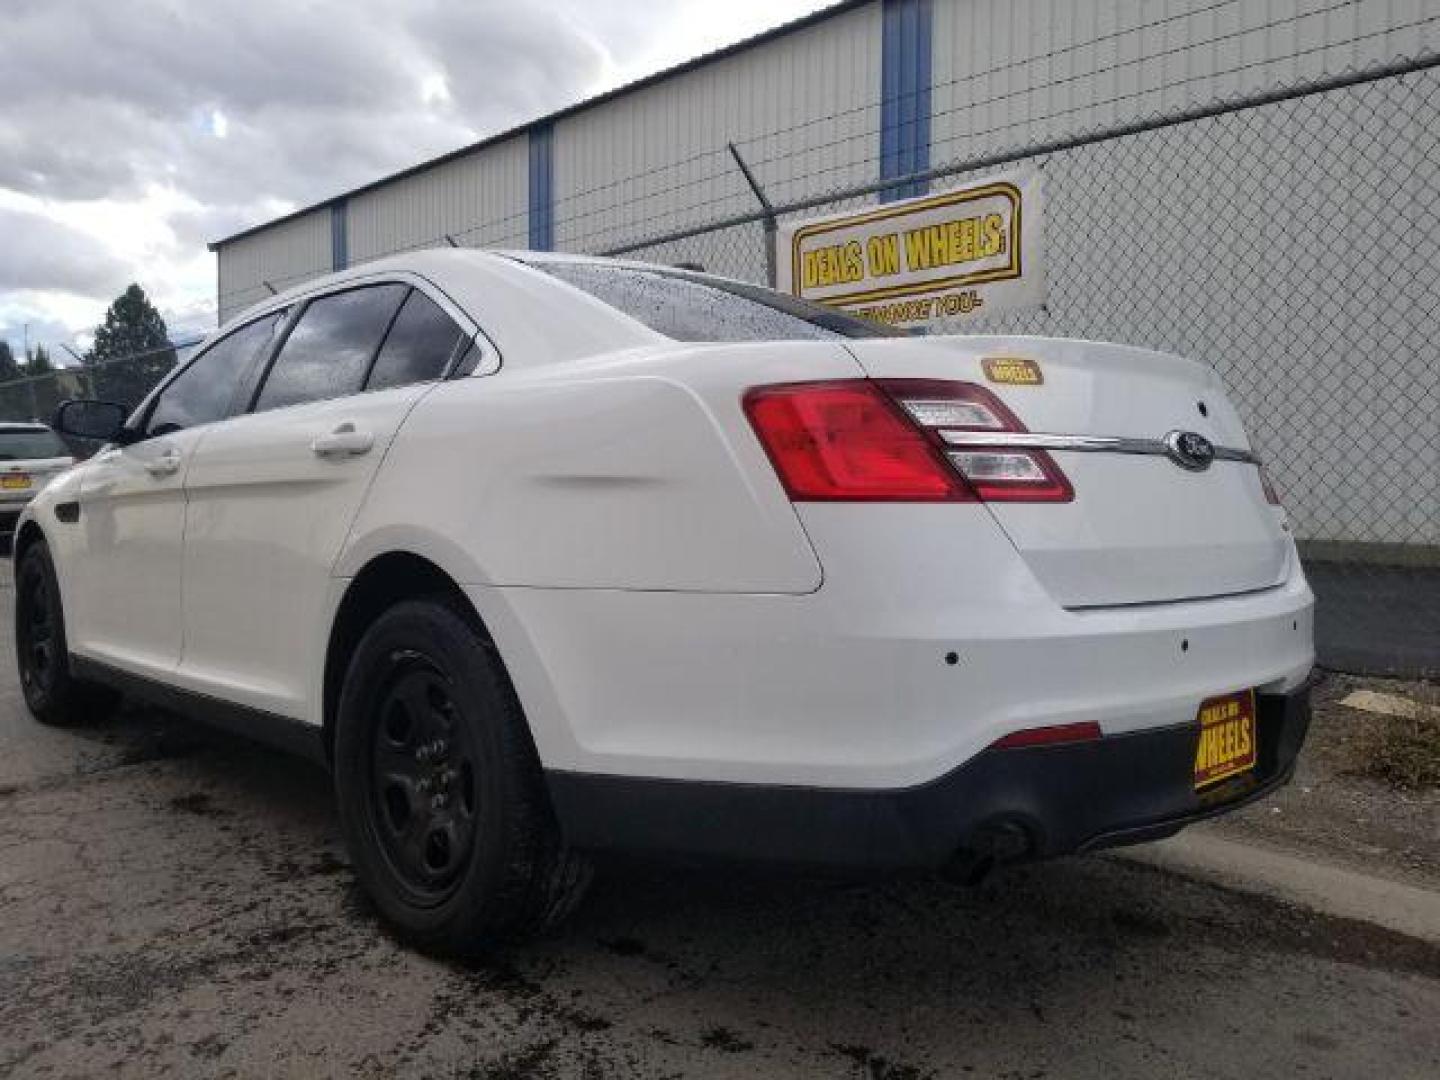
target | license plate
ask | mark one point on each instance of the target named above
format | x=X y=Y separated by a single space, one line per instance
x=1227 y=738
x=16 y=481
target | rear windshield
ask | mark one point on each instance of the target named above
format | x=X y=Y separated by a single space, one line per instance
x=691 y=307
x=21 y=445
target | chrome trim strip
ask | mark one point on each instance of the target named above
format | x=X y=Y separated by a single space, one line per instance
x=1234 y=453
x=1089 y=444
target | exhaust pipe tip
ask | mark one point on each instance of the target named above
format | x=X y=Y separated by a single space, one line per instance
x=998 y=841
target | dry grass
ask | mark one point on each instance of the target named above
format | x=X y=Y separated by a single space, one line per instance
x=1402 y=751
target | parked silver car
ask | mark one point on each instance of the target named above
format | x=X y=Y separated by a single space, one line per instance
x=31 y=455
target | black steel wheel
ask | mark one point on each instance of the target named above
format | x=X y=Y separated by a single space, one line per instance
x=422 y=797
x=36 y=629
x=52 y=693
x=440 y=792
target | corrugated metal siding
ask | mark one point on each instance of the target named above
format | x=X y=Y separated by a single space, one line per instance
x=288 y=253
x=803 y=109
x=1013 y=72
x=479 y=199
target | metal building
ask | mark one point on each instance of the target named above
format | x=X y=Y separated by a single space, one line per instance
x=860 y=91
x=1253 y=182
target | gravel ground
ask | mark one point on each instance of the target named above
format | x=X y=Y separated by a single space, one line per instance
x=175 y=902
x=1332 y=813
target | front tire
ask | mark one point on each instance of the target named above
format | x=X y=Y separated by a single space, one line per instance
x=440 y=793
x=52 y=693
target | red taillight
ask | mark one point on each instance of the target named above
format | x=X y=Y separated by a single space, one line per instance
x=868 y=440
x=845 y=441
x=1049 y=736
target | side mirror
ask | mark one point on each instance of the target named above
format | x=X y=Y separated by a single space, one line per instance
x=103 y=421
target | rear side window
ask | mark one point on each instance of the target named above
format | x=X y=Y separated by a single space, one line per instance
x=19 y=444
x=418 y=347
x=330 y=349
x=691 y=307
x=206 y=389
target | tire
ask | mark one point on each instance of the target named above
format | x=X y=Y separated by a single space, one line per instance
x=441 y=799
x=52 y=693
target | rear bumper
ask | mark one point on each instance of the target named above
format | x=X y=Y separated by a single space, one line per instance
x=888 y=687
x=1002 y=805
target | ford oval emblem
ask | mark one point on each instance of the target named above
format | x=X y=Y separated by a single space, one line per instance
x=1189 y=450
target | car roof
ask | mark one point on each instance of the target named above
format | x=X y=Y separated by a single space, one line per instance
x=513 y=302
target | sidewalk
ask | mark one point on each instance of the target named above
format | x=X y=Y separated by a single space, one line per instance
x=1332 y=841
x=1318 y=886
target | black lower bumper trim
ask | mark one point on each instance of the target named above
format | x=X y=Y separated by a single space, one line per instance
x=1034 y=802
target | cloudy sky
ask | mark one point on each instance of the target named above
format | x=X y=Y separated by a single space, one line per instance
x=133 y=131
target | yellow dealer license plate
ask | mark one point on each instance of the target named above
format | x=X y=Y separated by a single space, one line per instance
x=1227 y=738
x=17 y=480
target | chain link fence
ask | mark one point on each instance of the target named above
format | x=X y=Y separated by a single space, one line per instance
x=1291 y=239
x=125 y=379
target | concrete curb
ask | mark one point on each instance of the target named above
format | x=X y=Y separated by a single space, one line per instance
x=1321 y=887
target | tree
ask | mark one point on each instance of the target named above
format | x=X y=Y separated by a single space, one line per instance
x=9 y=369
x=132 y=350
x=37 y=361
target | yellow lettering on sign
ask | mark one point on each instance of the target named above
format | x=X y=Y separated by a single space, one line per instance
x=883 y=253
x=939 y=307
x=961 y=240
x=839 y=264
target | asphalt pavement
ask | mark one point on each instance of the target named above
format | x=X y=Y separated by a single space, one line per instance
x=178 y=903
x=1377 y=620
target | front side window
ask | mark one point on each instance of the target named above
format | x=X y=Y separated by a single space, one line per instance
x=330 y=349
x=694 y=307
x=206 y=389
x=418 y=347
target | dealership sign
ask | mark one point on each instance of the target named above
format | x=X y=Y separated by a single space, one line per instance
x=969 y=251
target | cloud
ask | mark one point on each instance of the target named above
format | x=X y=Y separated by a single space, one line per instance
x=40 y=331
x=316 y=97
x=39 y=254
x=155 y=125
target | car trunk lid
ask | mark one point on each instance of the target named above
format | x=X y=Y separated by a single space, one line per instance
x=1142 y=527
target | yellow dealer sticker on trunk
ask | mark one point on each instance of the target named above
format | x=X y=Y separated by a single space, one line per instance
x=1015 y=370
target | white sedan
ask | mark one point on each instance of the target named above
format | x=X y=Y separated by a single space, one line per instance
x=545 y=554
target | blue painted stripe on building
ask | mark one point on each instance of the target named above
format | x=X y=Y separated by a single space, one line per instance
x=542 y=193
x=906 y=44
x=924 y=53
x=339 y=235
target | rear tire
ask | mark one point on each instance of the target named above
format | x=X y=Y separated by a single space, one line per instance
x=441 y=798
x=52 y=693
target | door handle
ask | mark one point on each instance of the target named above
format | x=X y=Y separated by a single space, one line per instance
x=165 y=464
x=344 y=440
